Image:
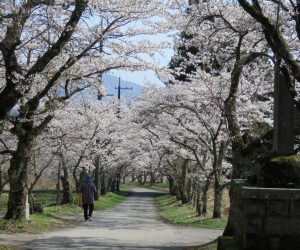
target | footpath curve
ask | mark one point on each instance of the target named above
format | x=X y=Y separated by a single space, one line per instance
x=134 y=224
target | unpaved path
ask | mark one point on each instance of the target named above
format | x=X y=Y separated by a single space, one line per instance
x=134 y=224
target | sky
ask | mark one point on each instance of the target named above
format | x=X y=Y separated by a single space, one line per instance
x=149 y=76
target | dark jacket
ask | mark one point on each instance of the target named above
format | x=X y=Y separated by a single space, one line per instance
x=88 y=190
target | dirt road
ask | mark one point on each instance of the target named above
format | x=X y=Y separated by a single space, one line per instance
x=134 y=224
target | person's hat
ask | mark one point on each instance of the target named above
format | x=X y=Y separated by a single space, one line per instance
x=87 y=178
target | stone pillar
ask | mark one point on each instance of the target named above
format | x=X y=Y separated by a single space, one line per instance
x=283 y=135
x=27 y=208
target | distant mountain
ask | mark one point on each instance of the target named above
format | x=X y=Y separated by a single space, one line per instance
x=111 y=84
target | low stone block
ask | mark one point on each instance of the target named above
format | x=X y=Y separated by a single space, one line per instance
x=273 y=226
x=295 y=209
x=269 y=218
x=277 y=208
x=253 y=225
x=290 y=243
x=291 y=227
x=254 y=207
x=38 y=207
x=255 y=242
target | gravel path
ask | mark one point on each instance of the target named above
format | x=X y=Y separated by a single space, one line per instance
x=134 y=224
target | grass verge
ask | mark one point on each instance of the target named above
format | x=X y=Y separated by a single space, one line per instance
x=171 y=210
x=156 y=186
x=58 y=217
x=112 y=199
x=53 y=217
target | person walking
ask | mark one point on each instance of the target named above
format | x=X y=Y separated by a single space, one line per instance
x=88 y=190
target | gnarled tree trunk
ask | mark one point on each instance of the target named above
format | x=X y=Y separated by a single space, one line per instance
x=204 y=194
x=17 y=173
x=218 y=186
x=65 y=181
x=182 y=184
x=172 y=186
x=199 y=203
x=103 y=182
x=98 y=177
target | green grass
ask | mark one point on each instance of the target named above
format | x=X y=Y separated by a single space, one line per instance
x=171 y=210
x=50 y=219
x=4 y=248
x=111 y=199
x=156 y=186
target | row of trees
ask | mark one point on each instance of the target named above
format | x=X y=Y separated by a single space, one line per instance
x=243 y=40
x=50 y=51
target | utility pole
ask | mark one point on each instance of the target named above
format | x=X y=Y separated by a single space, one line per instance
x=115 y=186
x=119 y=89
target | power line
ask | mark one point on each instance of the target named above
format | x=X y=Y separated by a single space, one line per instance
x=119 y=88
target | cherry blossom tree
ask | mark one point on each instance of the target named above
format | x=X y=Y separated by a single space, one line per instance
x=183 y=120
x=225 y=44
x=279 y=21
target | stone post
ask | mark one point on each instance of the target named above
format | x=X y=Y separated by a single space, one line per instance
x=283 y=135
x=27 y=208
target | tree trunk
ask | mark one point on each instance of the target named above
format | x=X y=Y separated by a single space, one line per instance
x=31 y=202
x=199 y=208
x=140 y=179
x=58 y=184
x=76 y=180
x=172 y=187
x=217 y=213
x=144 y=178
x=205 y=196
x=65 y=181
x=183 y=188
x=133 y=177
x=189 y=189
x=218 y=187
x=182 y=184
x=103 y=182
x=97 y=179
x=108 y=184
x=17 y=174
x=152 y=178
x=113 y=185
x=118 y=180
x=1 y=181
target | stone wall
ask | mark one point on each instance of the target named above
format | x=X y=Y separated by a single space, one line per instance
x=266 y=218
